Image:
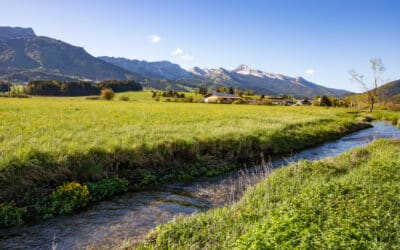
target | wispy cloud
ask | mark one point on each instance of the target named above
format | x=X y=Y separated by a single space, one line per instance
x=155 y=38
x=177 y=52
x=187 y=57
x=310 y=71
x=180 y=54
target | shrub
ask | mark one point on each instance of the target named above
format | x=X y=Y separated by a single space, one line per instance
x=107 y=188
x=107 y=94
x=124 y=98
x=11 y=215
x=67 y=198
x=157 y=98
x=238 y=101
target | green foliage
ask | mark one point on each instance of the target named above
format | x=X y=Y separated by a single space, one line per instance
x=107 y=94
x=349 y=202
x=11 y=215
x=238 y=101
x=68 y=198
x=107 y=188
x=249 y=92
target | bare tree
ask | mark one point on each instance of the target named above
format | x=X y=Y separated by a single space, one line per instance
x=371 y=88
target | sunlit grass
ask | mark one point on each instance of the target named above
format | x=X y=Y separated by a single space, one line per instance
x=347 y=202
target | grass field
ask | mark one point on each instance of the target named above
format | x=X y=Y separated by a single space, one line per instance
x=347 y=202
x=47 y=141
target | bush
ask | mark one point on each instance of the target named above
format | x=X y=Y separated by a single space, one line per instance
x=238 y=101
x=124 y=98
x=68 y=198
x=107 y=94
x=107 y=188
x=11 y=215
x=157 y=98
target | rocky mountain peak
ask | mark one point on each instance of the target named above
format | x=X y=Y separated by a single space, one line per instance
x=16 y=32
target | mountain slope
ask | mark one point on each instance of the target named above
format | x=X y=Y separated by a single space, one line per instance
x=266 y=83
x=390 y=91
x=30 y=55
x=162 y=69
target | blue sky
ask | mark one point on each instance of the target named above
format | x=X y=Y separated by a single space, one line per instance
x=320 y=40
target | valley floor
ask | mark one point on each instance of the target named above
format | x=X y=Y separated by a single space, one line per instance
x=45 y=142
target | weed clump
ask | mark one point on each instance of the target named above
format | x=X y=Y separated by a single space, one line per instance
x=68 y=198
x=107 y=188
x=11 y=215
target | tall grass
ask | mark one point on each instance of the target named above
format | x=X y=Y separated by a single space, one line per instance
x=350 y=201
x=47 y=141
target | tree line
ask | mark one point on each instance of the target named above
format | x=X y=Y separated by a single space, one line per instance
x=57 y=88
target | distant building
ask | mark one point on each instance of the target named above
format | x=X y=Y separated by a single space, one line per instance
x=216 y=97
x=279 y=100
x=303 y=102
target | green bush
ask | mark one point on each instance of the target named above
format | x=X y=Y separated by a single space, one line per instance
x=124 y=98
x=11 y=215
x=238 y=101
x=107 y=94
x=107 y=188
x=68 y=198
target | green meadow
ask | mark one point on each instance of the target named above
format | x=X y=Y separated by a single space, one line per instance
x=347 y=202
x=48 y=141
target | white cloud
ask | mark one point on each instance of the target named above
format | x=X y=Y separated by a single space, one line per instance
x=177 y=52
x=310 y=72
x=155 y=38
x=187 y=57
x=181 y=55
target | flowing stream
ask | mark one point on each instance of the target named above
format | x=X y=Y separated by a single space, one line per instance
x=133 y=215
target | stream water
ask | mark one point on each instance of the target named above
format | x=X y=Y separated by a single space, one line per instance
x=133 y=215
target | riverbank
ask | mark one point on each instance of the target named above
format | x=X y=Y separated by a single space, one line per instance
x=47 y=142
x=349 y=201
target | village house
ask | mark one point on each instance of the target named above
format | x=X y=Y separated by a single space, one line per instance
x=279 y=100
x=216 y=97
x=303 y=102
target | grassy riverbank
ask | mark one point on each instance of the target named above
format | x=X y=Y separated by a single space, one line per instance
x=391 y=116
x=45 y=142
x=350 y=201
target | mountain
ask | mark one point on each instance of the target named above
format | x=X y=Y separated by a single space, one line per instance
x=266 y=83
x=390 y=91
x=30 y=57
x=157 y=70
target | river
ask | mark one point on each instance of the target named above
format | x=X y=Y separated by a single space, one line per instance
x=133 y=215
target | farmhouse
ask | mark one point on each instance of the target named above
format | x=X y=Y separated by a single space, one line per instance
x=303 y=102
x=220 y=97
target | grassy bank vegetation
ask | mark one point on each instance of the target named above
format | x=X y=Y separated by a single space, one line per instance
x=45 y=142
x=350 y=201
x=391 y=116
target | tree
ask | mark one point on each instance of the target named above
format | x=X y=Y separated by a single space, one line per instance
x=238 y=92
x=370 y=89
x=249 y=92
x=325 y=101
x=231 y=91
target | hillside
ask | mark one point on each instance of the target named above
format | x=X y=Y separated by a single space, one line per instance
x=30 y=57
x=390 y=91
x=162 y=69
